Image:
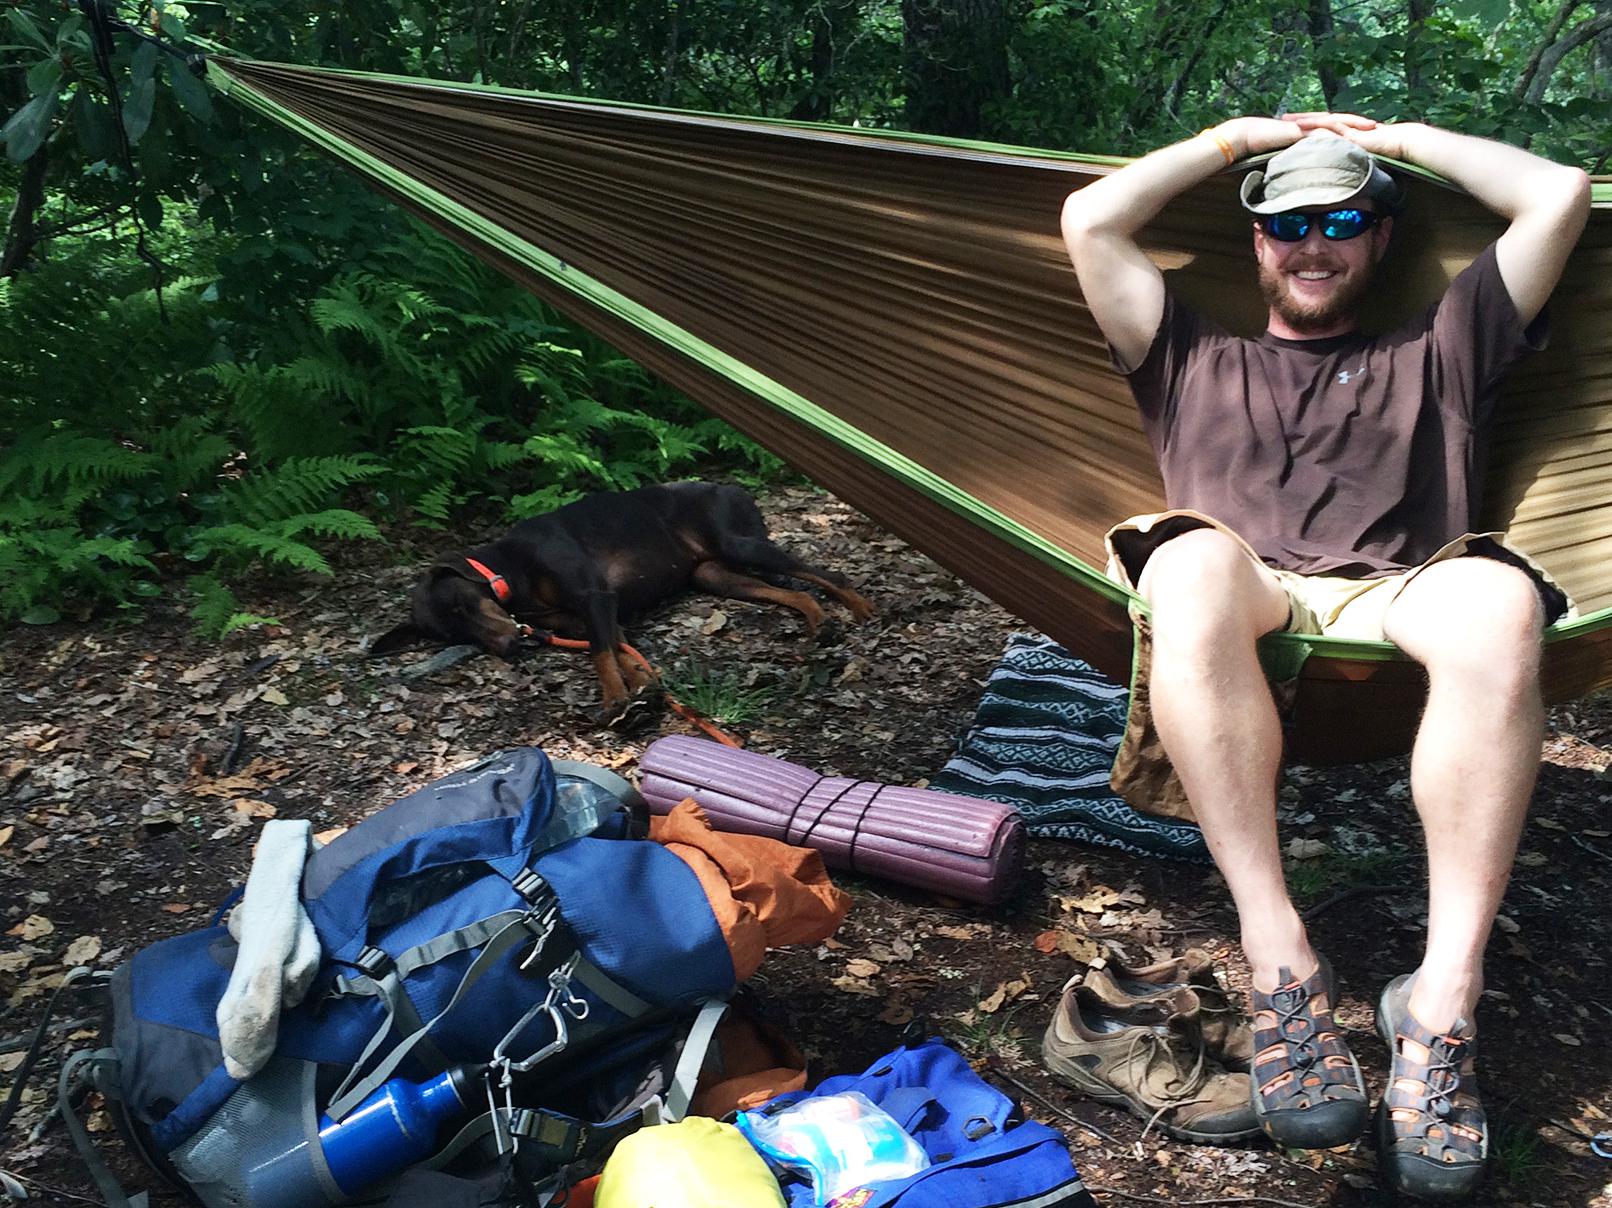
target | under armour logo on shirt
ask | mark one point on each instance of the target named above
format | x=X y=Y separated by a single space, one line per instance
x=1345 y=376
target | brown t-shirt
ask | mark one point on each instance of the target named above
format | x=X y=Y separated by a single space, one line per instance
x=1352 y=455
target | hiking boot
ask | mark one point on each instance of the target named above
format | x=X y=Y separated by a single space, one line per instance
x=1307 y=1090
x=1432 y=1134
x=1148 y=1058
x=1227 y=1038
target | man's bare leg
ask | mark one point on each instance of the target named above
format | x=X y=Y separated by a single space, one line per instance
x=1475 y=624
x=1218 y=723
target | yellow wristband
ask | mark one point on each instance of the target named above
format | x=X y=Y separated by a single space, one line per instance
x=1225 y=147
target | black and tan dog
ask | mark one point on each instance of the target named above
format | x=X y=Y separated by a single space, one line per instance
x=579 y=570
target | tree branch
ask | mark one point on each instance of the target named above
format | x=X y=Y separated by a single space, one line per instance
x=1552 y=32
x=1173 y=103
x=668 y=72
x=22 y=235
x=517 y=31
x=68 y=226
x=1553 y=56
x=1418 y=13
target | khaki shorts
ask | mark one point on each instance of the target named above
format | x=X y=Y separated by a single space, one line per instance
x=1319 y=604
x=1327 y=605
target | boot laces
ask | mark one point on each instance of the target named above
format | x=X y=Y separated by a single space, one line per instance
x=1151 y=1046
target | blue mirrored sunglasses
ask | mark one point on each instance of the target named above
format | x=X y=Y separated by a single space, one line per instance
x=1335 y=224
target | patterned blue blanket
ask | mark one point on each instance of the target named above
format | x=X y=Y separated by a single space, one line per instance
x=1044 y=740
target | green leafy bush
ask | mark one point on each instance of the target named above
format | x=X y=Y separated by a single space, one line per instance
x=148 y=436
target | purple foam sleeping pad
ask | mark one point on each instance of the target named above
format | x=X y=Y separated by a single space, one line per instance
x=965 y=847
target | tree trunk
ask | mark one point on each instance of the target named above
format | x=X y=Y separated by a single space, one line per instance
x=1415 y=31
x=22 y=232
x=1319 y=18
x=1603 y=49
x=668 y=72
x=955 y=64
x=833 y=22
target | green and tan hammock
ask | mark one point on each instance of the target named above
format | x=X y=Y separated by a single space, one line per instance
x=895 y=316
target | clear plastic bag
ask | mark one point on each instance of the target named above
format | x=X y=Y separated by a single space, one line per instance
x=840 y=1142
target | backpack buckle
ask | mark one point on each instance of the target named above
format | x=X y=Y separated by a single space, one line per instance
x=372 y=962
x=977 y=1127
x=556 y=1137
x=541 y=925
x=529 y=883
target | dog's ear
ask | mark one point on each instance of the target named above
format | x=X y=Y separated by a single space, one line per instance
x=403 y=636
x=451 y=568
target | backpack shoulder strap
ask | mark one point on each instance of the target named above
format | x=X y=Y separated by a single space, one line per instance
x=111 y=1190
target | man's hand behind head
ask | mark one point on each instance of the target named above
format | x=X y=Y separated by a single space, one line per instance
x=1256 y=135
x=1338 y=123
x=1380 y=138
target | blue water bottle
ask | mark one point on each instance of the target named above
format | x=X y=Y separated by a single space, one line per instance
x=394 y=1128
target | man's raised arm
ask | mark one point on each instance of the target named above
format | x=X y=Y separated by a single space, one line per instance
x=1546 y=203
x=1121 y=285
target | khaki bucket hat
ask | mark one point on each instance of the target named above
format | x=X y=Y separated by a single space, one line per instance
x=1318 y=170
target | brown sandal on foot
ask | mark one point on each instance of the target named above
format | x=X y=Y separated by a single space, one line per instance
x=1432 y=1134
x=1307 y=1090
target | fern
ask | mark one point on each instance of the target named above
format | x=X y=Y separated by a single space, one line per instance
x=278 y=415
x=217 y=612
x=237 y=546
x=416 y=378
x=442 y=452
x=496 y=455
x=189 y=454
x=46 y=560
x=335 y=523
x=296 y=486
x=544 y=499
x=72 y=462
x=432 y=508
x=562 y=452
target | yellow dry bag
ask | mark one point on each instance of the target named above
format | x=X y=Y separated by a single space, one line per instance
x=695 y=1163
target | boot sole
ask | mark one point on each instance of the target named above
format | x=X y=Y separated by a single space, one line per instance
x=1089 y=1087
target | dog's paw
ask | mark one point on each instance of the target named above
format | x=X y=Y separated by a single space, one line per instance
x=632 y=712
x=862 y=610
x=635 y=675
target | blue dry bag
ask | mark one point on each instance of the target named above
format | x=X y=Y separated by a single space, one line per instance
x=982 y=1153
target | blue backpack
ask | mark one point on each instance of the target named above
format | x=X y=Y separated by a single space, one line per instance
x=502 y=920
x=983 y=1154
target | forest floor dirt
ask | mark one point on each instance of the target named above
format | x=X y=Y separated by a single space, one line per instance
x=137 y=761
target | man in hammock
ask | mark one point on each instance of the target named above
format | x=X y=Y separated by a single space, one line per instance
x=1324 y=481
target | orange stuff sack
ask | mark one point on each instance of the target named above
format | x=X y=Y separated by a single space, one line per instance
x=750 y=1063
x=764 y=893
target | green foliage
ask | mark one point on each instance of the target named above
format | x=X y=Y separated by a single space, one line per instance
x=1514 y=1150
x=46 y=558
x=722 y=696
x=312 y=363
x=1334 y=872
x=408 y=387
x=217 y=612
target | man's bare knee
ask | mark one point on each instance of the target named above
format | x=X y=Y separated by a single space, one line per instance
x=1205 y=580
x=1471 y=616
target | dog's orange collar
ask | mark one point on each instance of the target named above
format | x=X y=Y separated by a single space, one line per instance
x=497 y=582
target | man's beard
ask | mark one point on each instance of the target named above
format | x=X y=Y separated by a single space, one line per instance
x=1308 y=317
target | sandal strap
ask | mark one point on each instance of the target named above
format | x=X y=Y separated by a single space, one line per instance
x=1300 y=1058
x=1432 y=1102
